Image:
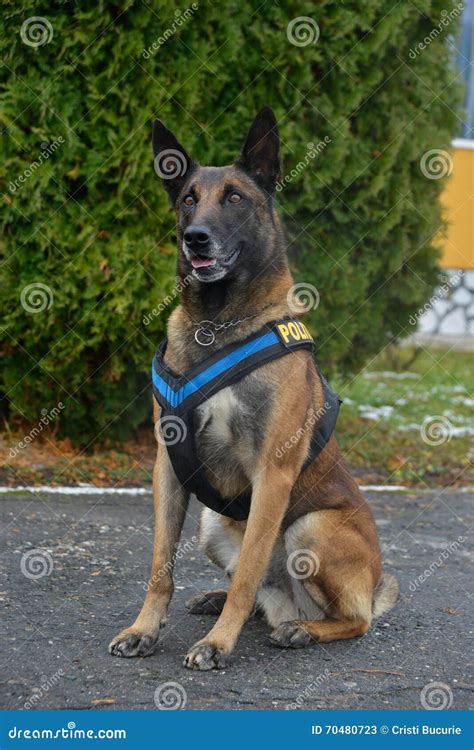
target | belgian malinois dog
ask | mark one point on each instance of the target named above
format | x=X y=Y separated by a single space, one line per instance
x=233 y=266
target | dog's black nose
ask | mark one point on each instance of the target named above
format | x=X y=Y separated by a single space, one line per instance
x=197 y=237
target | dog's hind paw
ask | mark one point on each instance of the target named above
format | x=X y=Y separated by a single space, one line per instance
x=205 y=656
x=291 y=634
x=131 y=643
x=210 y=603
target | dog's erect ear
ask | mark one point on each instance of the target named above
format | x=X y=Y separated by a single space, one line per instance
x=260 y=156
x=171 y=161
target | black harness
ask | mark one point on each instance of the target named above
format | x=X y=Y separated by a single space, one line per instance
x=179 y=395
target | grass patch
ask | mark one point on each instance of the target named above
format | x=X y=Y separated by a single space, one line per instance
x=411 y=426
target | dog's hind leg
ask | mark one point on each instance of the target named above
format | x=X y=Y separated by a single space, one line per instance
x=209 y=603
x=333 y=559
x=220 y=538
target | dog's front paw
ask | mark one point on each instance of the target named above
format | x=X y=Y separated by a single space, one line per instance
x=205 y=656
x=132 y=643
x=291 y=634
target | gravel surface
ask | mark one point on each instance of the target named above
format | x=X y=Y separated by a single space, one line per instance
x=97 y=551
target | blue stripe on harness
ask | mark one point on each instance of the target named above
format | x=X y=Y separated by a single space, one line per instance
x=176 y=398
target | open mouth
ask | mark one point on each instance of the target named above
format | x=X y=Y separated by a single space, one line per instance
x=199 y=262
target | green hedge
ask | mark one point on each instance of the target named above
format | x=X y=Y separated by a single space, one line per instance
x=85 y=215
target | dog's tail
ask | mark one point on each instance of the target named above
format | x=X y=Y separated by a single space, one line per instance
x=385 y=595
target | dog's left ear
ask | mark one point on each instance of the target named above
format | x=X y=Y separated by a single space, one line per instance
x=171 y=161
x=260 y=156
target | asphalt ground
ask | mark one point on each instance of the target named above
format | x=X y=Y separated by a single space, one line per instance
x=64 y=602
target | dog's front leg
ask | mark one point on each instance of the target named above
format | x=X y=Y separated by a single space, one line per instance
x=269 y=501
x=170 y=501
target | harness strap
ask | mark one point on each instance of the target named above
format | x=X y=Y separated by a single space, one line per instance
x=325 y=423
x=190 y=472
x=179 y=395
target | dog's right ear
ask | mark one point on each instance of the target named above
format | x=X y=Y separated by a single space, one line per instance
x=171 y=161
x=260 y=156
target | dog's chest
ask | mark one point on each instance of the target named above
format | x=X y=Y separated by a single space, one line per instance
x=229 y=429
x=215 y=416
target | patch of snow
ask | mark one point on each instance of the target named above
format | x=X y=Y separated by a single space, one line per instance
x=410 y=427
x=450 y=432
x=462 y=400
x=389 y=374
x=87 y=489
x=462 y=431
x=375 y=413
x=382 y=488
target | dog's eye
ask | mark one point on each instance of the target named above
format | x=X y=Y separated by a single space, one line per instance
x=235 y=198
x=188 y=200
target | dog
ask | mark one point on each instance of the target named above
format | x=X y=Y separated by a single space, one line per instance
x=307 y=555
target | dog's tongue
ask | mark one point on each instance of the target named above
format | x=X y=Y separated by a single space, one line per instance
x=202 y=262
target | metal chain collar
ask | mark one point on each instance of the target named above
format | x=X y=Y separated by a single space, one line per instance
x=205 y=333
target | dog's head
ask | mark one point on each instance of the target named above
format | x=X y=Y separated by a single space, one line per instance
x=225 y=216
